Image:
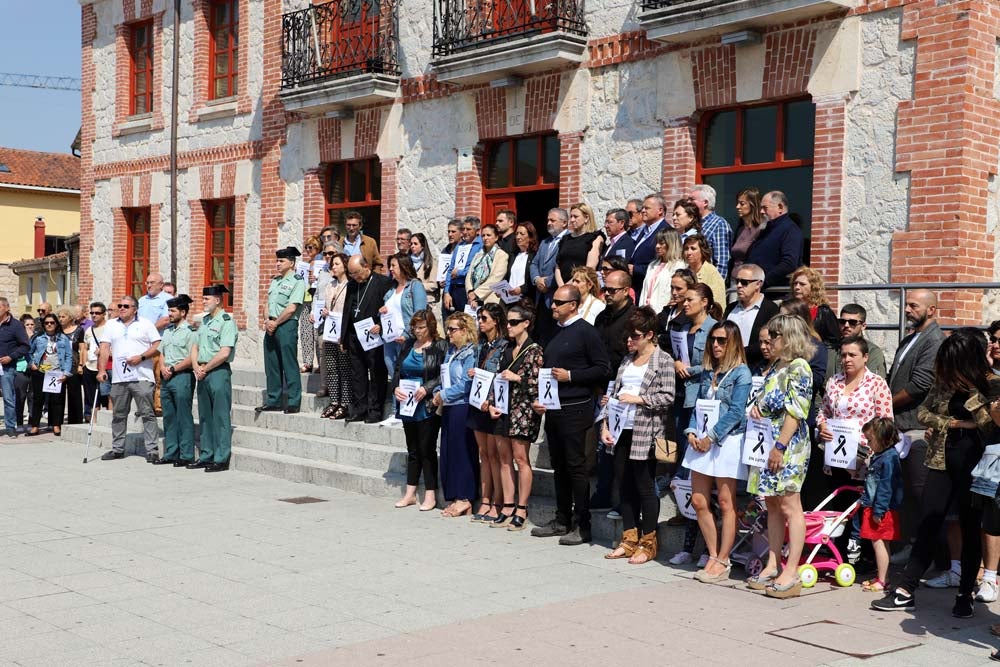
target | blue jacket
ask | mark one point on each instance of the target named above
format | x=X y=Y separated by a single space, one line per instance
x=778 y=250
x=13 y=340
x=733 y=392
x=412 y=300
x=459 y=363
x=544 y=266
x=644 y=253
x=64 y=348
x=693 y=384
x=625 y=243
x=884 y=483
x=459 y=279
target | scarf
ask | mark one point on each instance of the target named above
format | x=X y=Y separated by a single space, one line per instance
x=482 y=264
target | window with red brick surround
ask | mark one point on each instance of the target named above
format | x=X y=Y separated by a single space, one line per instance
x=220 y=245
x=767 y=146
x=224 y=21
x=137 y=250
x=355 y=185
x=141 y=68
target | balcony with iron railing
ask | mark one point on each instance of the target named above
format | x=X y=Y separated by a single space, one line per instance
x=682 y=20
x=479 y=40
x=340 y=53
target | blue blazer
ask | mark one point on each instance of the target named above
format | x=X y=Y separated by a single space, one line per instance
x=777 y=250
x=693 y=383
x=459 y=280
x=459 y=363
x=644 y=253
x=544 y=266
x=732 y=392
x=413 y=299
x=625 y=243
x=64 y=348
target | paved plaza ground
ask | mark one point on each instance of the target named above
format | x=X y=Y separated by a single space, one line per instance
x=124 y=563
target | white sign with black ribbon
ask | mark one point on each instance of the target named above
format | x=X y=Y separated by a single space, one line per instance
x=392 y=325
x=842 y=451
x=501 y=395
x=480 y=390
x=620 y=417
x=302 y=270
x=332 y=327
x=317 y=312
x=706 y=411
x=679 y=344
x=758 y=442
x=462 y=256
x=548 y=390
x=52 y=383
x=121 y=371
x=756 y=384
x=408 y=407
x=369 y=341
x=682 y=495
x=502 y=289
x=444 y=264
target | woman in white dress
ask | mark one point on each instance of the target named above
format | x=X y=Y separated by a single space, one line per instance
x=669 y=258
x=715 y=437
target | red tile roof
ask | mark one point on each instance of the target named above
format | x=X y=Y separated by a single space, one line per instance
x=37 y=169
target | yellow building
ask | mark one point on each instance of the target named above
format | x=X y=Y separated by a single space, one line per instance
x=39 y=212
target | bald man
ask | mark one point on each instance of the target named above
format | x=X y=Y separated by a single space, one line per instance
x=365 y=292
x=153 y=307
x=910 y=379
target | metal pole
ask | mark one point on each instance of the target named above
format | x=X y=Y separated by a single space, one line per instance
x=902 y=313
x=174 y=85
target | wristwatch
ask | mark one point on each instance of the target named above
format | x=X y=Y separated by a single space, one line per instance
x=780 y=447
x=171 y=369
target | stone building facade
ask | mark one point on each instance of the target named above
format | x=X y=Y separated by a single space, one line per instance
x=877 y=117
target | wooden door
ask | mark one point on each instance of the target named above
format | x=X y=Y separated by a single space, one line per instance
x=493 y=204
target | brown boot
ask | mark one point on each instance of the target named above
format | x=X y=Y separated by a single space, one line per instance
x=645 y=551
x=630 y=539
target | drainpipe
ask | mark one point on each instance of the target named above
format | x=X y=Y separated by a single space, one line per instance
x=174 y=83
x=39 y=236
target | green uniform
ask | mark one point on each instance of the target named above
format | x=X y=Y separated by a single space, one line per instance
x=177 y=394
x=215 y=392
x=281 y=365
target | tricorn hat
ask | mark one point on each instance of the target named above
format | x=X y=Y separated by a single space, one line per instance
x=179 y=301
x=291 y=252
x=214 y=290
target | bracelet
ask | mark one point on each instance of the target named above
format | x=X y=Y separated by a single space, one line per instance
x=780 y=447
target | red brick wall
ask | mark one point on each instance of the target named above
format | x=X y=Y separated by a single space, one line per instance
x=622 y=48
x=491 y=112
x=947 y=139
x=828 y=183
x=314 y=205
x=570 y=191
x=88 y=30
x=202 y=60
x=329 y=140
x=788 y=58
x=679 y=141
x=197 y=247
x=541 y=103
x=714 y=72
x=389 y=206
x=367 y=123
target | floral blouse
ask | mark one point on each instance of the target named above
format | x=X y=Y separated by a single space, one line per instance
x=787 y=390
x=872 y=398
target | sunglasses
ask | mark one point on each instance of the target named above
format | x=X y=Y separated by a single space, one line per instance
x=310 y=247
x=848 y=322
x=483 y=318
x=329 y=254
x=743 y=282
x=561 y=302
x=97 y=312
x=515 y=322
x=124 y=305
x=994 y=341
x=452 y=329
x=721 y=340
x=636 y=336
x=52 y=322
x=613 y=290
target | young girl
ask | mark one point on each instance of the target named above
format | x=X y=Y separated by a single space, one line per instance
x=882 y=495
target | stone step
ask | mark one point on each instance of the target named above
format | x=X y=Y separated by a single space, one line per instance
x=255 y=377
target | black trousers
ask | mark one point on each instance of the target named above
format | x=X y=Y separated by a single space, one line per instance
x=90 y=387
x=611 y=473
x=639 y=505
x=74 y=399
x=962 y=452
x=421 y=451
x=459 y=297
x=370 y=377
x=566 y=433
x=57 y=402
x=22 y=388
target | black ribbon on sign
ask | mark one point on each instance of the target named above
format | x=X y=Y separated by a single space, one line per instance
x=759 y=447
x=841 y=446
x=413 y=395
x=687 y=500
x=124 y=366
x=499 y=392
x=704 y=423
x=388 y=327
x=479 y=386
x=618 y=421
x=548 y=390
x=53 y=382
x=333 y=326
x=368 y=335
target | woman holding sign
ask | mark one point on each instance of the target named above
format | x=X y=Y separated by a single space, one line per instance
x=779 y=415
x=715 y=438
x=50 y=363
x=406 y=297
x=307 y=332
x=336 y=362
x=416 y=376
x=459 y=465
x=493 y=344
x=521 y=364
x=638 y=415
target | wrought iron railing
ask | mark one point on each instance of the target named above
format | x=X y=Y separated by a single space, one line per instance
x=690 y=4
x=467 y=24
x=337 y=39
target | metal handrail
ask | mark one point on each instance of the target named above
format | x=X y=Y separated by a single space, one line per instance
x=468 y=24
x=681 y=4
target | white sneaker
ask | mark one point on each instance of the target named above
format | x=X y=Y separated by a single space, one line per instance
x=703 y=561
x=987 y=592
x=391 y=421
x=901 y=556
x=947 y=579
x=680 y=558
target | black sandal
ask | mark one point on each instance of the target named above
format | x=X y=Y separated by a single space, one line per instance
x=517 y=522
x=329 y=411
x=502 y=519
x=480 y=516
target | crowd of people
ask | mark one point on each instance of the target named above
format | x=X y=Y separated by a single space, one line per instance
x=666 y=342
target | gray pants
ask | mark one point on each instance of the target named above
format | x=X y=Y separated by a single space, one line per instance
x=914 y=478
x=122 y=395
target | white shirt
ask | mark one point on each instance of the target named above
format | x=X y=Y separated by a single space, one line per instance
x=517 y=269
x=130 y=341
x=744 y=318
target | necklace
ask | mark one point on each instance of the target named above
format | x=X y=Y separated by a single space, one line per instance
x=357 y=306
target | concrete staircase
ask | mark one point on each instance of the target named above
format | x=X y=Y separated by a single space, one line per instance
x=357 y=457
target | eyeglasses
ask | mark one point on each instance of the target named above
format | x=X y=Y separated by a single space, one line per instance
x=562 y=302
x=310 y=247
x=52 y=322
x=512 y=323
x=849 y=322
x=721 y=340
x=994 y=341
x=97 y=312
x=125 y=305
x=483 y=318
x=452 y=329
x=638 y=335
x=613 y=290
x=329 y=254
x=42 y=311
x=743 y=282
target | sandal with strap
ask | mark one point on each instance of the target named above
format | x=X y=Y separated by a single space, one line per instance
x=329 y=411
x=517 y=522
x=503 y=519
x=628 y=545
x=480 y=516
x=873 y=586
x=761 y=581
x=645 y=551
x=706 y=578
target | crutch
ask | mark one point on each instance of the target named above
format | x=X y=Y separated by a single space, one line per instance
x=93 y=418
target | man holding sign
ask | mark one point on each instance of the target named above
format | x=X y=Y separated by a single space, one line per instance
x=131 y=343
x=365 y=294
x=578 y=362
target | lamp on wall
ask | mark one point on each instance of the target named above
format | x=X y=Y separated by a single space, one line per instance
x=507 y=82
x=340 y=114
x=742 y=38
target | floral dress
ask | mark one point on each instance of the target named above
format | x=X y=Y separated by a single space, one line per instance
x=523 y=423
x=787 y=390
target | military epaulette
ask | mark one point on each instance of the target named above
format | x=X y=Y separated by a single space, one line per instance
x=226 y=317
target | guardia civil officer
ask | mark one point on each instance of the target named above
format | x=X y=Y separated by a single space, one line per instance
x=281 y=339
x=177 y=393
x=211 y=355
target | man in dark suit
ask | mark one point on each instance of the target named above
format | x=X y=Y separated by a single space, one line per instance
x=751 y=310
x=542 y=271
x=653 y=211
x=620 y=243
x=368 y=372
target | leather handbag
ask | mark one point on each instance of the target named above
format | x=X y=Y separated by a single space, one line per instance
x=666 y=450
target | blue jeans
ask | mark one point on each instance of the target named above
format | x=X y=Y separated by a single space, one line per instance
x=9 y=396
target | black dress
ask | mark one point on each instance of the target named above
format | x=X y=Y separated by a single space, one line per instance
x=573 y=251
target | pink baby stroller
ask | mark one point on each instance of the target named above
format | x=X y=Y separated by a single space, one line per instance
x=822 y=528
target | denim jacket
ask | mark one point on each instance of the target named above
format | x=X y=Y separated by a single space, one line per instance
x=459 y=362
x=692 y=384
x=732 y=392
x=884 y=483
x=64 y=348
x=412 y=300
